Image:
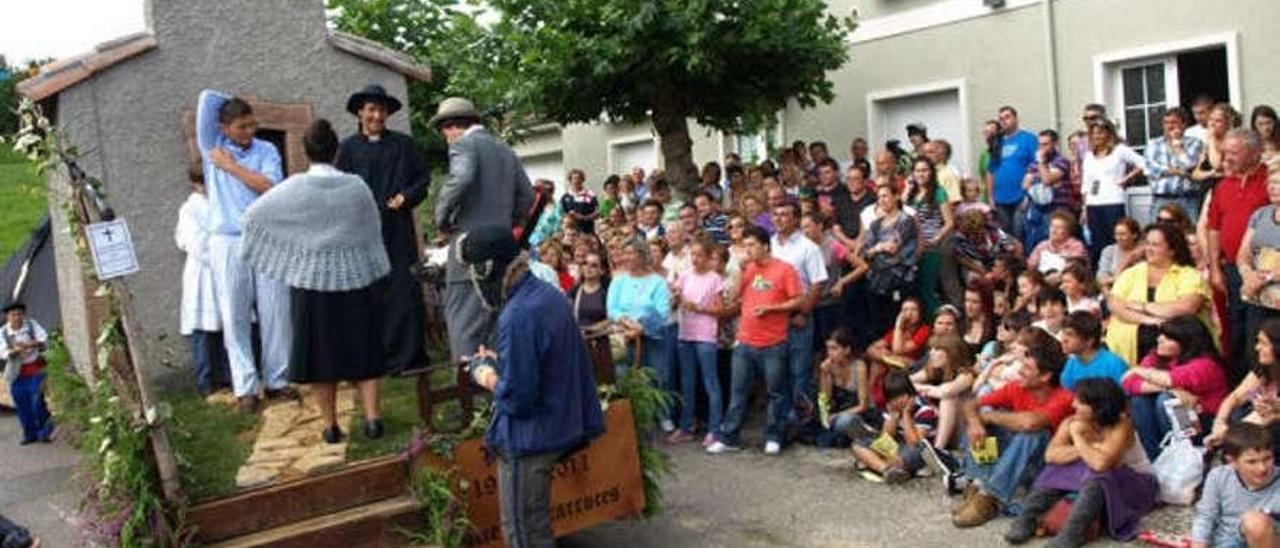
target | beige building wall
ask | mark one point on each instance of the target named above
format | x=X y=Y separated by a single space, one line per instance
x=996 y=57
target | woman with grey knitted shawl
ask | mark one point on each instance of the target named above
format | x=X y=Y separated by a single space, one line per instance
x=320 y=233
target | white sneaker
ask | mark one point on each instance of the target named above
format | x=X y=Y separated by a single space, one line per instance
x=721 y=447
x=772 y=448
x=668 y=426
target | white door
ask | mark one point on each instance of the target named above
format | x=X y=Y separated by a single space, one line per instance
x=939 y=111
x=548 y=166
x=630 y=154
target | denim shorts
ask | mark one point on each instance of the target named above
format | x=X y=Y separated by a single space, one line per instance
x=910 y=455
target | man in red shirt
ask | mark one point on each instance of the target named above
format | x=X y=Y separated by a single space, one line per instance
x=769 y=293
x=1022 y=417
x=1234 y=200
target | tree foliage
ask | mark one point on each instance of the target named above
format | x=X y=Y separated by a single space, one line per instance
x=728 y=64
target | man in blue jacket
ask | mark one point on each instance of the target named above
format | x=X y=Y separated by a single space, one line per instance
x=544 y=391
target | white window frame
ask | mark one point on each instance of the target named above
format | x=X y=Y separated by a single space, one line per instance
x=631 y=140
x=960 y=150
x=1172 y=95
x=1107 y=66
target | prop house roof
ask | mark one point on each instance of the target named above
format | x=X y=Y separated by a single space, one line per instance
x=59 y=75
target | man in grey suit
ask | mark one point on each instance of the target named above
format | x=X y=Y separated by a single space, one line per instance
x=487 y=186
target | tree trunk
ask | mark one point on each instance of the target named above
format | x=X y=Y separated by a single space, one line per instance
x=677 y=149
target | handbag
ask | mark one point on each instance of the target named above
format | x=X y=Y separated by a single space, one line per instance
x=1040 y=194
x=1178 y=469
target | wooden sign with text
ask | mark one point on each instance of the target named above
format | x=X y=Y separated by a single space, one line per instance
x=599 y=483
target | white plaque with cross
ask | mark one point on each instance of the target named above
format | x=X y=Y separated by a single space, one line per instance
x=112 y=249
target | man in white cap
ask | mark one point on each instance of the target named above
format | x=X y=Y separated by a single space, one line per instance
x=487 y=186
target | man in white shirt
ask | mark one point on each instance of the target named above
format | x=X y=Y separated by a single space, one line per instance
x=791 y=246
x=1200 y=108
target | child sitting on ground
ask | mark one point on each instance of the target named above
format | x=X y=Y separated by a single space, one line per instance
x=894 y=453
x=1240 y=496
x=998 y=362
x=944 y=382
x=1051 y=307
x=838 y=393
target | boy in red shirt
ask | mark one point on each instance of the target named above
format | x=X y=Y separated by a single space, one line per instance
x=769 y=293
x=1022 y=416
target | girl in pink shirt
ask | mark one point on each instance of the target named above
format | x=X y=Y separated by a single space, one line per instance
x=698 y=291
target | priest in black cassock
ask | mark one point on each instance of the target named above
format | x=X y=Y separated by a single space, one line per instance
x=397 y=174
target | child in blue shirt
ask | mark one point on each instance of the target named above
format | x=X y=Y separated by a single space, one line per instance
x=1081 y=335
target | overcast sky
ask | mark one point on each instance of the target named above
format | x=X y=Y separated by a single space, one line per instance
x=36 y=29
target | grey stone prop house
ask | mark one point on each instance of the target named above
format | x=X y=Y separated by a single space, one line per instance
x=128 y=106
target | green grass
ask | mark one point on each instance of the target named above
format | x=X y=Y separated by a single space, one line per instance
x=212 y=442
x=399 y=400
x=22 y=201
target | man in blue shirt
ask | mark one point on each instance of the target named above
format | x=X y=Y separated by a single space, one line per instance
x=1017 y=153
x=544 y=392
x=238 y=168
x=1081 y=335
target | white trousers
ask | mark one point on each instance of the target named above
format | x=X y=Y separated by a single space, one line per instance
x=240 y=291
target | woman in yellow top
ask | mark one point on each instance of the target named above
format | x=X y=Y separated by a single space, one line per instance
x=1163 y=286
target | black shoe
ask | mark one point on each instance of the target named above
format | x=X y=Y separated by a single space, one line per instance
x=286 y=393
x=373 y=429
x=248 y=404
x=332 y=434
x=1021 y=531
x=26 y=442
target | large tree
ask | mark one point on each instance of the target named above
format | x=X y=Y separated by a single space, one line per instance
x=728 y=64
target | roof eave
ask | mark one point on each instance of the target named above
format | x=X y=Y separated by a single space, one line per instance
x=377 y=53
x=57 y=76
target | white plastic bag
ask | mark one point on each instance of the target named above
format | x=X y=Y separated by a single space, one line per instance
x=1179 y=469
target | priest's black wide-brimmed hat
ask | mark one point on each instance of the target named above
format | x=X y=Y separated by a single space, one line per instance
x=374 y=93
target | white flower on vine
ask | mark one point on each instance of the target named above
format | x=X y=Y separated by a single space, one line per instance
x=26 y=141
x=106 y=444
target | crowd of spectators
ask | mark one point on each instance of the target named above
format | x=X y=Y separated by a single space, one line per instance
x=1029 y=333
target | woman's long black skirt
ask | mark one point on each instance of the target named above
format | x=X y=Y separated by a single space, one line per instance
x=337 y=335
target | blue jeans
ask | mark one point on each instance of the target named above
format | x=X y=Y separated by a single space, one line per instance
x=653 y=355
x=800 y=359
x=33 y=415
x=771 y=361
x=699 y=358
x=1238 y=345
x=209 y=358
x=1102 y=227
x=1009 y=216
x=1151 y=421
x=1021 y=458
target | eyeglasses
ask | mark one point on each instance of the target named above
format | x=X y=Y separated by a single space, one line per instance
x=1090 y=117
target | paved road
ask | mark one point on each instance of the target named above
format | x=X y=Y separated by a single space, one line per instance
x=37 y=488
x=804 y=498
